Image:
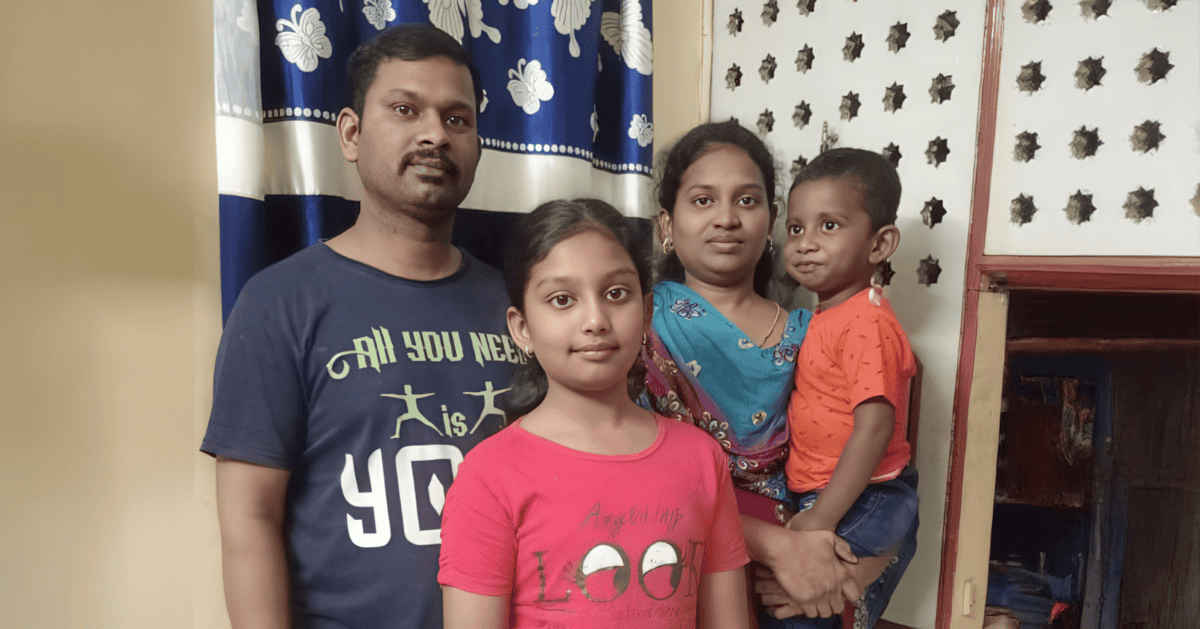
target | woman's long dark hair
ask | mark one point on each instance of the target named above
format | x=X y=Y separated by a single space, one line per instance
x=695 y=144
x=532 y=239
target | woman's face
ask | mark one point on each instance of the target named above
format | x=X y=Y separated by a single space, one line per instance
x=721 y=218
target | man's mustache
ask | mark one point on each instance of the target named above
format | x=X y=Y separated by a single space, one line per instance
x=431 y=157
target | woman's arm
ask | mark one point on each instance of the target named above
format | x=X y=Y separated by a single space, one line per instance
x=464 y=610
x=250 y=507
x=808 y=565
x=874 y=423
x=722 y=601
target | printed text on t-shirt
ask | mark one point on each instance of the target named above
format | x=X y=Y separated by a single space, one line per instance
x=429 y=346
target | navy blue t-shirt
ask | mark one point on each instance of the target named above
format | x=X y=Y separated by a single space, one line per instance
x=369 y=388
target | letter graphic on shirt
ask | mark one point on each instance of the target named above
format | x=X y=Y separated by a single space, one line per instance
x=479 y=345
x=603 y=574
x=413 y=412
x=542 y=582
x=374 y=349
x=693 y=562
x=374 y=499
x=435 y=491
x=660 y=570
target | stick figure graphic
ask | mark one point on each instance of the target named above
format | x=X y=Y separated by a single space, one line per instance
x=413 y=412
x=489 y=403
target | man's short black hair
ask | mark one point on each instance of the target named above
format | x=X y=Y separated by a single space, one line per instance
x=410 y=42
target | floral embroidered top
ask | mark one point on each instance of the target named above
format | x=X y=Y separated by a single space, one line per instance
x=703 y=369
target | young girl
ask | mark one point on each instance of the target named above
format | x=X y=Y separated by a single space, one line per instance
x=722 y=356
x=588 y=511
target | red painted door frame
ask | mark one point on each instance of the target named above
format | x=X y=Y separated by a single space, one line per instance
x=1077 y=273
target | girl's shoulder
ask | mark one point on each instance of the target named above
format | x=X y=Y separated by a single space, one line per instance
x=499 y=445
x=686 y=435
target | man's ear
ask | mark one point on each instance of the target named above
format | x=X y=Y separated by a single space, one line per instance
x=887 y=240
x=348 y=126
x=518 y=328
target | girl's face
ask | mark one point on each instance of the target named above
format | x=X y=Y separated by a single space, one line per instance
x=721 y=218
x=584 y=315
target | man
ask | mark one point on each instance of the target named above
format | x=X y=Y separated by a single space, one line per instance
x=354 y=375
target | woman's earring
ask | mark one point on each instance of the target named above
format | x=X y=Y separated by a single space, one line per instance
x=770 y=245
x=528 y=351
x=668 y=246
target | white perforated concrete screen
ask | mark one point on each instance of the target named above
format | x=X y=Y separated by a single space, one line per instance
x=901 y=78
x=1098 y=129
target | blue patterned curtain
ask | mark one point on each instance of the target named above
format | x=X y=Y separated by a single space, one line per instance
x=567 y=113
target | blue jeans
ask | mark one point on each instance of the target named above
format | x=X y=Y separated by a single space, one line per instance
x=883 y=520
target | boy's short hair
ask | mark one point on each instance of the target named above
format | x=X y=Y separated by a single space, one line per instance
x=410 y=42
x=878 y=180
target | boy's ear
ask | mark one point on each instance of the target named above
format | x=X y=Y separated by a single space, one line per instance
x=518 y=328
x=348 y=127
x=887 y=240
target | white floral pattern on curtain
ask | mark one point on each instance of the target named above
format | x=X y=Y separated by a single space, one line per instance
x=578 y=122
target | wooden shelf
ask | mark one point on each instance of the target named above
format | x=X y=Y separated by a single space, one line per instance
x=1072 y=345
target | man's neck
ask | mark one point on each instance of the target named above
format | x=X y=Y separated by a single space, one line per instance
x=400 y=246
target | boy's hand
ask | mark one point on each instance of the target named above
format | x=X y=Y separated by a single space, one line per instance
x=805 y=521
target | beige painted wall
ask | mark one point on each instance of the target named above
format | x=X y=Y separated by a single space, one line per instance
x=108 y=270
x=678 y=52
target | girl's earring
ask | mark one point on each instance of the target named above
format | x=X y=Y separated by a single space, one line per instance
x=529 y=351
x=668 y=246
x=770 y=245
x=876 y=286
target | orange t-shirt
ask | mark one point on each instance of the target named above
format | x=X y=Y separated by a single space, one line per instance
x=853 y=352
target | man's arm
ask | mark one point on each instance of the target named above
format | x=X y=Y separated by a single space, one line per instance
x=807 y=565
x=874 y=423
x=250 y=507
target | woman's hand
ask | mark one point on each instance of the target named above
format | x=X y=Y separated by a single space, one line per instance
x=808 y=569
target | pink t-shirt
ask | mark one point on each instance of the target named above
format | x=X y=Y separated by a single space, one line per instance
x=585 y=540
x=853 y=352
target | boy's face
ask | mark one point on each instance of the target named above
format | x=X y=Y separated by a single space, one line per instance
x=831 y=248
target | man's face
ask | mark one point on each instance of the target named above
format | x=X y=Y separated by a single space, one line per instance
x=416 y=144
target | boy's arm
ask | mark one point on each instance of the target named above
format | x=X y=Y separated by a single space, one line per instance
x=465 y=610
x=723 y=600
x=250 y=508
x=874 y=424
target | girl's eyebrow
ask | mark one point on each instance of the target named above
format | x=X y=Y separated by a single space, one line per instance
x=567 y=279
x=745 y=186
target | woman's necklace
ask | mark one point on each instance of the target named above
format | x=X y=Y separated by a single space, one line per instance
x=774 y=322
